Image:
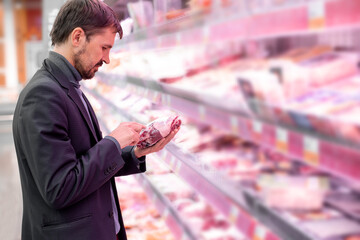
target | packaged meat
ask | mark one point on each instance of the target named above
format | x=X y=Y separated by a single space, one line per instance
x=348 y=203
x=157 y=130
x=293 y=192
x=312 y=215
x=166 y=182
x=305 y=53
x=332 y=229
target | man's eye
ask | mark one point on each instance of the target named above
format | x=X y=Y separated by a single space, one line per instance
x=104 y=48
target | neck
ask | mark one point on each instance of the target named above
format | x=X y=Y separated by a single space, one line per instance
x=65 y=52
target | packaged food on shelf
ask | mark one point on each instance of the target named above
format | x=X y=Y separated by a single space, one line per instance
x=269 y=4
x=284 y=79
x=299 y=78
x=199 y=215
x=346 y=202
x=293 y=88
x=300 y=216
x=292 y=192
x=235 y=159
x=350 y=237
x=168 y=9
x=301 y=54
x=216 y=86
x=316 y=222
x=214 y=5
x=331 y=110
x=166 y=182
x=142 y=221
x=332 y=229
x=142 y=13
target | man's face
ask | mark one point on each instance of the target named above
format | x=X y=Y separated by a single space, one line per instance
x=94 y=52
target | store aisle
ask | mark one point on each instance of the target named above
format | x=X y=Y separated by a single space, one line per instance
x=10 y=190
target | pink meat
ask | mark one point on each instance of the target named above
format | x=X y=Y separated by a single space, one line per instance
x=157 y=130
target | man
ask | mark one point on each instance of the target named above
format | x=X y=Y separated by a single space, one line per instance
x=66 y=167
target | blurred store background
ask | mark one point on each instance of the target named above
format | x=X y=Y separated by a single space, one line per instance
x=268 y=93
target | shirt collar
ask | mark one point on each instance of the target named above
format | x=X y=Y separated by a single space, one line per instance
x=68 y=69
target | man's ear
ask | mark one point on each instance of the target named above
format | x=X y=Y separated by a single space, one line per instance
x=77 y=37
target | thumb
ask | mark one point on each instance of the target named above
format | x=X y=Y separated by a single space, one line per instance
x=137 y=127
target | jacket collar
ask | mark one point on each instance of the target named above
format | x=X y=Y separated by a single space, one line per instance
x=73 y=75
x=63 y=80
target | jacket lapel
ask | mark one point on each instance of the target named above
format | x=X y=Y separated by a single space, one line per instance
x=64 y=82
x=93 y=117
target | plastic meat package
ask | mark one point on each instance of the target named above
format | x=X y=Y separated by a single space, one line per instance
x=157 y=130
x=293 y=192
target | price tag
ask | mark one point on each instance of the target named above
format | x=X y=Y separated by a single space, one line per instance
x=165 y=214
x=146 y=93
x=260 y=233
x=257 y=126
x=281 y=139
x=169 y=100
x=177 y=166
x=138 y=91
x=137 y=177
x=311 y=150
x=234 y=125
x=132 y=47
x=130 y=88
x=184 y=236
x=159 y=41
x=313 y=183
x=163 y=155
x=178 y=39
x=155 y=96
x=234 y=213
x=164 y=99
x=316 y=13
x=206 y=34
x=153 y=197
x=202 y=112
x=172 y=162
x=142 y=180
x=244 y=130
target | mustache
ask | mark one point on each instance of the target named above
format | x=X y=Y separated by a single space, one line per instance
x=100 y=63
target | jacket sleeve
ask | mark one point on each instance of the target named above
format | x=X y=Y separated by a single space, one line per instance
x=132 y=163
x=62 y=177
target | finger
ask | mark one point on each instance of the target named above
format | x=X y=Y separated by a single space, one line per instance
x=137 y=127
x=164 y=142
x=171 y=135
x=135 y=137
x=157 y=146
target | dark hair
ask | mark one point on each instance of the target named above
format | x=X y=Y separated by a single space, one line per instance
x=90 y=15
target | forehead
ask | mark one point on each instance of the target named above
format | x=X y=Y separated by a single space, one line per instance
x=105 y=36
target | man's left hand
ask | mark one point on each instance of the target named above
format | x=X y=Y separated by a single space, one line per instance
x=157 y=147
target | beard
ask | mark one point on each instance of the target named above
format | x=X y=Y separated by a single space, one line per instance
x=86 y=73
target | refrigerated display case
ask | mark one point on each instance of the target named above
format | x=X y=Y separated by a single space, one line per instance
x=276 y=77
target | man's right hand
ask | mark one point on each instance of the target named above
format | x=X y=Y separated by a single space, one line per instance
x=127 y=133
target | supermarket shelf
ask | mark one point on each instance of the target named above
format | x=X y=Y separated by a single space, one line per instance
x=240 y=206
x=170 y=96
x=315 y=150
x=200 y=28
x=175 y=223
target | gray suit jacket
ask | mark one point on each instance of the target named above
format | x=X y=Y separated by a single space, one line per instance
x=65 y=165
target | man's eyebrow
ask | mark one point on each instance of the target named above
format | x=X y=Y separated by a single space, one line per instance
x=108 y=45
